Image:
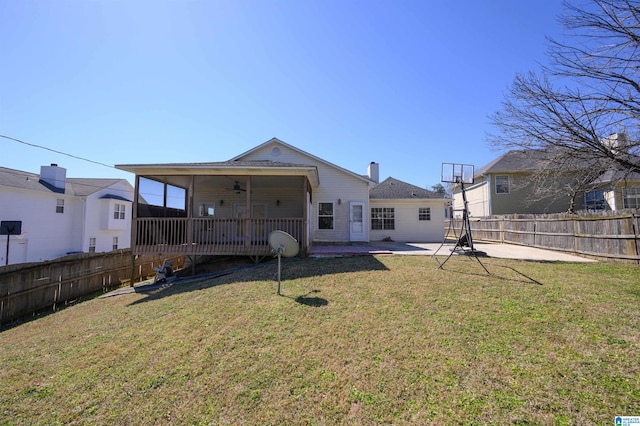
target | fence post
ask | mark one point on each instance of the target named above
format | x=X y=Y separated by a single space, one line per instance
x=636 y=234
x=575 y=235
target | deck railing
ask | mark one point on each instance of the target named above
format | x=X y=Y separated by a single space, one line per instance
x=205 y=236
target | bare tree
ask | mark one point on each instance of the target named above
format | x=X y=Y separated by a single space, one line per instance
x=590 y=91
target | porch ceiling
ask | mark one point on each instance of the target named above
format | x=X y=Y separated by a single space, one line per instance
x=227 y=168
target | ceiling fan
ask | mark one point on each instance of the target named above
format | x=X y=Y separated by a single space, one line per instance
x=237 y=188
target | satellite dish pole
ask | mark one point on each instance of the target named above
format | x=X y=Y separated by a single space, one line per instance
x=285 y=245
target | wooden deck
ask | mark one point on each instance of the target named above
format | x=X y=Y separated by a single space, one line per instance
x=205 y=236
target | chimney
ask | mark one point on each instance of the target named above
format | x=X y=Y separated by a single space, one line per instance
x=53 y=175
x=617 y=143
x=373 y=171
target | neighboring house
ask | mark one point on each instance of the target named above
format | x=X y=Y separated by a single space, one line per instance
x=614 y=191
x=505 y=186
x=230 y=207
x=61 y=215
x=404 y=212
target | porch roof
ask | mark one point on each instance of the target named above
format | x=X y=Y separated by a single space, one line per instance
x=226 y=168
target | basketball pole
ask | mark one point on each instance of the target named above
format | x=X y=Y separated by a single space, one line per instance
x=279 y=256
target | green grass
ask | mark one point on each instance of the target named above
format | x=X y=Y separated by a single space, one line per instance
x=364 y=340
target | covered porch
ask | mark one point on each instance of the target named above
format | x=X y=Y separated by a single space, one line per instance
x=227 y=208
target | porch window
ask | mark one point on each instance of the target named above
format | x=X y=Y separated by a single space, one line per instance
x=502 y=184
x=92 y=245
x=383 y=218
x=206 y=210
x=631 y=197
x=60 y=205
x=594 y=200
x=115 y=243
x=424 y=213
x=118 y=211
x=325 y=215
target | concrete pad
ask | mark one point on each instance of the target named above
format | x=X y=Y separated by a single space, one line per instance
x=504 y=251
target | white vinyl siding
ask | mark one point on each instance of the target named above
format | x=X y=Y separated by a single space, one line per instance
x=408 y=227
x=336 y=185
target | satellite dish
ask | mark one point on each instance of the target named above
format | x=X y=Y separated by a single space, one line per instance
x=283 y=244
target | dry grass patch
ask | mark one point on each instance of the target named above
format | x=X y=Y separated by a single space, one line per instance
x=362 y=340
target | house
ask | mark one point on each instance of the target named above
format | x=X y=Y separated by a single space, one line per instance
x=404 y=212
x=60 y=215
x=506 y=185
x=231 y=207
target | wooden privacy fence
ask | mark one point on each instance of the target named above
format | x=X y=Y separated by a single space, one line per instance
x=27 y=288
x=608 y=234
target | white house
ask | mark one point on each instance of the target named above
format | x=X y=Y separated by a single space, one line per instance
x=60 y=215
x=404 y=212
x=230 y=207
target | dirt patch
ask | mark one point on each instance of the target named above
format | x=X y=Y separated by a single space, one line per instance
x=215 y=264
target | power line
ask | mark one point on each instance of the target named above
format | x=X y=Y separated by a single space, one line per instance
x=57 y=152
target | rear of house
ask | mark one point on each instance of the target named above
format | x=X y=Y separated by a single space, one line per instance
x=231 y=207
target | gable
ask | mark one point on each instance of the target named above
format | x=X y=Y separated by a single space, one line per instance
x=277 y=150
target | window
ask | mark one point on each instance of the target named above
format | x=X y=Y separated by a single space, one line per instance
x=118 y=211
x=594 y=200
x=92 y=245
x=325 y=215
x=383 y=218
x=502 y=184
x=205 y=210
x=424 y=213
x=115 y=243
x=60 y=206
x=631 y=197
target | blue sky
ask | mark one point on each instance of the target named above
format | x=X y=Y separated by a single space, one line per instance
x=408 y=84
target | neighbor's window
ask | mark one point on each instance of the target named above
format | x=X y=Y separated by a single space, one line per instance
x=118 y=211
x=502 y=184
x=206 y=209
x=383 y=218
x=424 y=213
x=92 y=245
x=60 y=206
x=631 y=197
x=594 y=200
x=325 y=215
x=115 y=243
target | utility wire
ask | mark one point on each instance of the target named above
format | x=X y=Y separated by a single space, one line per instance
x=57 y=152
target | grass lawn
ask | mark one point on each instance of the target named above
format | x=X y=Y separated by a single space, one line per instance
x=361 y=341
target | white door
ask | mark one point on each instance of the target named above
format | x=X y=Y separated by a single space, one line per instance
x=356 y=221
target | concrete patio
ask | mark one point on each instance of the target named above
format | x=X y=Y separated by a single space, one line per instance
x=505 y=251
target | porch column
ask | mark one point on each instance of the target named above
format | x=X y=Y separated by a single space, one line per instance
x=305 y=213
x=190 y=213
x=249 y=215
x=134 y=226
